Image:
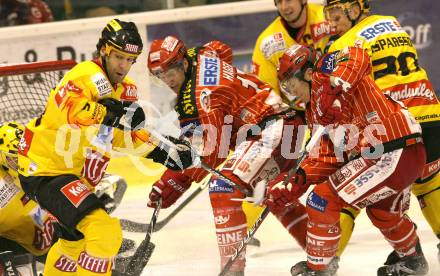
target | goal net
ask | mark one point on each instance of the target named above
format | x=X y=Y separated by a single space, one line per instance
x=24 y=88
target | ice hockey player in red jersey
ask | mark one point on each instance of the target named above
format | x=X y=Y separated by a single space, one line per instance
x=377 y=150
x=219 y=107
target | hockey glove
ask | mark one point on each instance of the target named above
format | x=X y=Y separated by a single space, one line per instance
x=280 y=196
x=329 y=107
x=170 y=187
x=115 y=111
x=134 y=116
x=175 y=158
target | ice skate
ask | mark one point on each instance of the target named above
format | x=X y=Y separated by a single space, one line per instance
x=301 y=268
x=409 y=265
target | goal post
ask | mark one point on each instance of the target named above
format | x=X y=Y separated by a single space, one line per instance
x=24 y=88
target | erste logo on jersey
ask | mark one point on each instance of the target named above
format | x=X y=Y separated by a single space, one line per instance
x=76 y=191
x=102 y=85
x=209 y=71
x=385 y=26
x=272 y=44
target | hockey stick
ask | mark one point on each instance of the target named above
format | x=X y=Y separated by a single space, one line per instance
x=199 y=160
x=303 y=154
x=133 y=226
x=245 y=241
x=315 y=138
x=143 y=253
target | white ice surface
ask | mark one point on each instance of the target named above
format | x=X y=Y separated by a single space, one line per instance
x=187 y=246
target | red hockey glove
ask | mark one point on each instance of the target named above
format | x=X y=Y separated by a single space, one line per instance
x=279 y=196
x=329 y=104
x=170 y=187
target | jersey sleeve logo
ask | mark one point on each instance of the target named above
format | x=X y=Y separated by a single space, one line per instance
x=328 y=63
x=129 y=93
x=25 y=142
x=272 y=45
x=102 y=85
x=76 y=192
x=63 y=92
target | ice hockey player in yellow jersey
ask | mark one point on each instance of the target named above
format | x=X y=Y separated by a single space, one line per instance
x=298 y=22
x=23 y=224
x=64 y=153
x=26 y=230
x=396 y=70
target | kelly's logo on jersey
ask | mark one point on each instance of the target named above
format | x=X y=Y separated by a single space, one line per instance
x=320 y=30
x=386 y=26
x=76 y=191
x=25 y=142
x=130 y=92
x=209 y=71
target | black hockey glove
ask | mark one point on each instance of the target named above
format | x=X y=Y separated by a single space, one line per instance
x=115 y=111
x=134 y=118
x=175 y=158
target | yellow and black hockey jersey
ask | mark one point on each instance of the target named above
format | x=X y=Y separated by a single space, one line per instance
x=275 y=39
x=22 y=220
x=395 y=64
x=68 y=137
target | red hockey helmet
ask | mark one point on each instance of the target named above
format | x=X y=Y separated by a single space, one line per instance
x=294 y=63
x=165 y=53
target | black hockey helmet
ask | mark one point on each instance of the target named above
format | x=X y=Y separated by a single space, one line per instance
x=121 y=36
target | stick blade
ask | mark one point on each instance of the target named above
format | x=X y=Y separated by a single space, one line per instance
x=140 y=258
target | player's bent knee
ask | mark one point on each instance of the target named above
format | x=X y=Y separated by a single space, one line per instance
x=102 y=234
x=221 y=193
x=383 y=219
